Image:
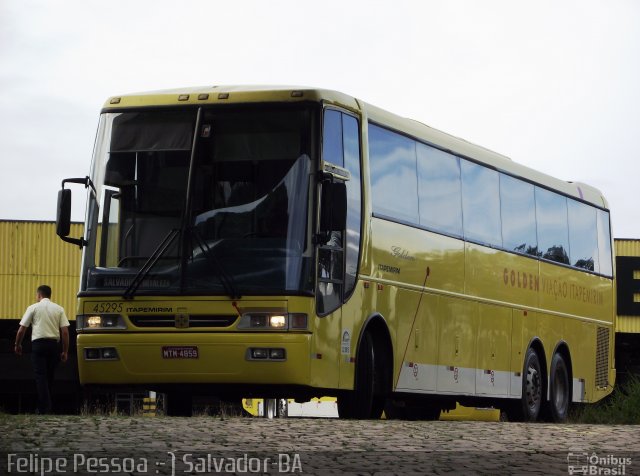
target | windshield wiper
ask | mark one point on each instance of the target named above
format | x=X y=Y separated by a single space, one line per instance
x=150 y=263
x=226 y=280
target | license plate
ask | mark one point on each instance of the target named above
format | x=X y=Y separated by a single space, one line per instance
x=180 y=352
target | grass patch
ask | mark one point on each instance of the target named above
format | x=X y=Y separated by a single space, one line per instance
x=622 y=407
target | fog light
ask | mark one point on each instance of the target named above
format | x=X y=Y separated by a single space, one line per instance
x=91 y=354
x=276 y=354
x=109 y=353
x=278 y=321
x=259 y=353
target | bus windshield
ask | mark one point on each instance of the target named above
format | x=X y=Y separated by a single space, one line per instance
x=212 y=203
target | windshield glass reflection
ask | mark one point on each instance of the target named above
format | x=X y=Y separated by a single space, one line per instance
x=246 y=230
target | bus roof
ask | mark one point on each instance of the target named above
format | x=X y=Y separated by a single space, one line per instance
x=261 y=94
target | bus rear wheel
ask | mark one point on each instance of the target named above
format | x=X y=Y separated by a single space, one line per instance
x=559 y=389
x=529 y=405
x=366 y=400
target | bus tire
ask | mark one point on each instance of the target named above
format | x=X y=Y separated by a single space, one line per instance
x=179 y=404
x=559 y=389
x=362 y=402
x=529 y=405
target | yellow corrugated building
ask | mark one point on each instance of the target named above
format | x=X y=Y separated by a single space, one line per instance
x=628 y=304
x=31 y=254
x=628 y=264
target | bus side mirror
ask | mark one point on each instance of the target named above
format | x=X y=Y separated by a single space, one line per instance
x=63 y=215
x=333 y=212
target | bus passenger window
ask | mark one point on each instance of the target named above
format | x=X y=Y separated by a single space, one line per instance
x=518 y=209
x=553 y=232
x=439 y=190
x=583 y=235
x=481 y=204
x=604 y=244
x=394 y=186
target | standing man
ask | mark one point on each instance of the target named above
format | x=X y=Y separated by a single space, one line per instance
x=48 y=321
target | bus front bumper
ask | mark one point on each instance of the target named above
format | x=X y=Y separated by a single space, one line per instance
x=193 y=358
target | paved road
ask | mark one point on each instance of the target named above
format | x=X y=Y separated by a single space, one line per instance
x=164 y=445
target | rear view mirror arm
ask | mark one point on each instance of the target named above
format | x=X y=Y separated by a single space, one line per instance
x=86 y=181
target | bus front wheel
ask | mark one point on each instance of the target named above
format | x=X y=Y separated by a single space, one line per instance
x=367 y=399
x=559 y=389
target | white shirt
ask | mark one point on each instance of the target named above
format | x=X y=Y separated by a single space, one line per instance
x=47 y=318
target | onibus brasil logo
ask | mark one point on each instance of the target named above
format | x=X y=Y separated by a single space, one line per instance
x=579 y=462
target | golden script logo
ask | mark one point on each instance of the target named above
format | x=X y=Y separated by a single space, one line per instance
x=552 y=287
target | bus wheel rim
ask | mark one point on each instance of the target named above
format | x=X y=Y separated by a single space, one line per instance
x=533 y=390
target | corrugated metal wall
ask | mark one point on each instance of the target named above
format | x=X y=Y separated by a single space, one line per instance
x=627 y=247
x=624 y=247
x=31 y=254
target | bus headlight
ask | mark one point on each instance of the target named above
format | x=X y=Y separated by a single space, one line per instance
x=273 y=322
x=94 y=321
x=278 y=321
x=100 y=322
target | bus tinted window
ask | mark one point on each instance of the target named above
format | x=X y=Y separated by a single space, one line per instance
x=332 y=138
x=481 y=204
x=518 y=209
x=393 y=174
x=553 y=233
x=604 y=244
x=583 y=235
x=439 y=190
x=351 y=140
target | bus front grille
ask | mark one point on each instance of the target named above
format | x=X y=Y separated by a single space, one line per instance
x=602 y=357
x=169 y=321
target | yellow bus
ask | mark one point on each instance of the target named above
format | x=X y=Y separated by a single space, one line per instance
x=298 y=243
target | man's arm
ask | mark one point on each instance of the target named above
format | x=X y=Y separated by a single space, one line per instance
x=22 y=330
x=65 y=343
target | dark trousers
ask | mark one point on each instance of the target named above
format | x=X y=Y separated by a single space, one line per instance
x=45 y=356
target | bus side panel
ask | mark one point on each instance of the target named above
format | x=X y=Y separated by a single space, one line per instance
x=494 y=349
x=325 y=351
x=405 y=256
x=354 y=313
x=500 y=276
x=585 y=296
x=411 y=256
x=576 y=293
x=421 y=356
x=581 y=341
x=518 y=317
x=457 y=350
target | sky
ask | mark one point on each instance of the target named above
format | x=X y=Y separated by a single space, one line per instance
x=554 y=85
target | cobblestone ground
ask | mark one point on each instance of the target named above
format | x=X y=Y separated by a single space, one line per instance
x=211 y=445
